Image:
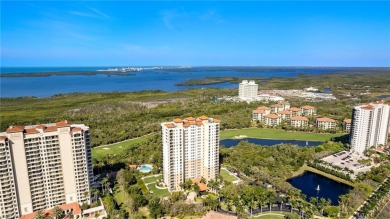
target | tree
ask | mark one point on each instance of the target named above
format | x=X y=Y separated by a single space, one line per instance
x=155 y=208
x=104 y=183
x=40 y=215
x=58 y=213
x=323 y=203
x=271 y=195
x=331 y=211
x=196 y=188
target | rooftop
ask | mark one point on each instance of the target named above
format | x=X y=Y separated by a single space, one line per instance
x=307 y=107
x=74 y=206
x=325 y=120
x=263 y=108
x=347 y=120
x=272 y=116
x=187 y=122
x=302 y=118
x=295 y=109
x=285 y=112
x=258 y=111
x=42 y=128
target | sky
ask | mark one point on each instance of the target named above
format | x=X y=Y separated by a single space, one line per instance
x=143 y=33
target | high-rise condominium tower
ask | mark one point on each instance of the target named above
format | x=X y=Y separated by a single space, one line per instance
x=370 y=125
x=247 y=89
x=190 y=150
x=43 y=166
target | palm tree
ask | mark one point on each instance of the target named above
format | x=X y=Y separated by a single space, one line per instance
x=271 y=198
x=40 y=215
x=104 y=183
x=283 y=199
x=58 y=213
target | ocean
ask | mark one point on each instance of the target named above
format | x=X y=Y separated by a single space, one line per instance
x=151 y=79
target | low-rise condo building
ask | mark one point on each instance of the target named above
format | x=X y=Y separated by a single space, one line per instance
x=275 y=108
x=272 y=120
x=267 y=110
x=44 y=166
x=285 y=114
x=248 y=89
x=308 y=111
x=258 y=114
x=190 y=150
x=295 y=111
x=325 y=123
x=370 y=125
x=299 y=121
x=347 y=125
x=286 y=105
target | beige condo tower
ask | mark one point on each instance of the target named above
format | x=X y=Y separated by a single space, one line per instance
x=43 y=166
x=190 y=150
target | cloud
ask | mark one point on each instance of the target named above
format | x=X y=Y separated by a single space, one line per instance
x=92 y=12
x=169 y=17
x=213 y=16
x=83 y=14
x=99 y=13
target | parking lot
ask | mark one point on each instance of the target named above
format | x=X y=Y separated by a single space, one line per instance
x=346 y=159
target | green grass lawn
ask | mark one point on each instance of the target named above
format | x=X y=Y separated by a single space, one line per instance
x=270 y=216
x=152 y=179
x=226 y=176
x=158 y=192
x=277 y=134
x=119 y=197
x=117 y=148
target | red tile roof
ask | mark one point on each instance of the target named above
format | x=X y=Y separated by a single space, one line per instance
x=302 y=118
x=177 y=120
x=170 y=125
x=76 y=129
x=74 y=206
x=277 y=105
x=216 y=120
x=284 y=103
x=51 y=129
x=347 y=120
x=308 y=107
x=31 y=131
x=15 y=129
x=325 y=120
x=203 y=117
x=63 y=124
x=263 y=108
x=132 y=166
x=258 y=111
x=272 y=116
x=190 y=118
x=202 y=186
x=3 y=137
x=285 y=112
x=367 y=107
x=295 y=109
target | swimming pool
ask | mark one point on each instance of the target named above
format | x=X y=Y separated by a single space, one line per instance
x=146 y=168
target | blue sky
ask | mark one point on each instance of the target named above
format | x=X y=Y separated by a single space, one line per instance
x=264 y=33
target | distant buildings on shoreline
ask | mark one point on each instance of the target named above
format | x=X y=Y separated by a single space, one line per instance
x=44 y=166
x=248 y=91
x=190 y=150
x=370 y=125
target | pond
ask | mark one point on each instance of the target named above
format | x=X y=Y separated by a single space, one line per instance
x=383 y=96
x=267 y=142
x=308 y=183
